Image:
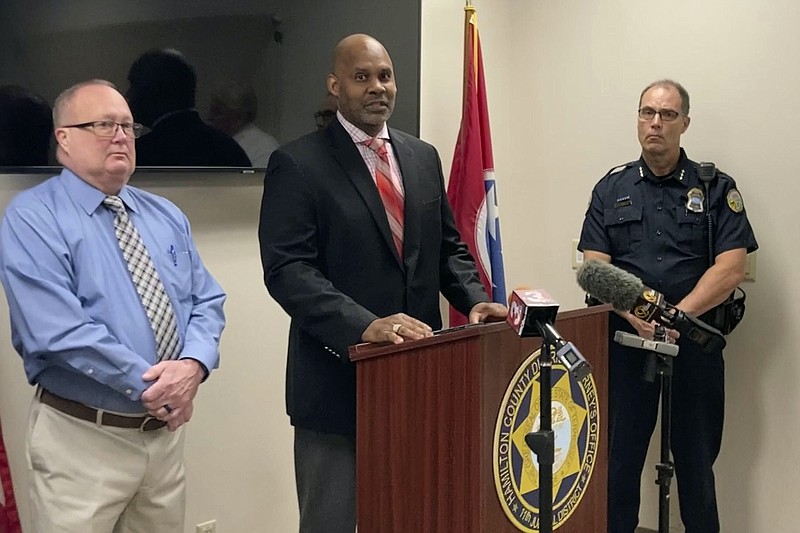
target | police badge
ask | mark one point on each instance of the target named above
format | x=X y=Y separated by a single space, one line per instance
x=694 y=200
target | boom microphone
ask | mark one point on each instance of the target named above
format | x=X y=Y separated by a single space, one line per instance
x=610 y=285
x=626 y=292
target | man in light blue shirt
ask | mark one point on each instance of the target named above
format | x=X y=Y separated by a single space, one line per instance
x=105 y=439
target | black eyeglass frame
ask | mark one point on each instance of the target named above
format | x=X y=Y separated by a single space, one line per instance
x=660 y=112
x=136 y=129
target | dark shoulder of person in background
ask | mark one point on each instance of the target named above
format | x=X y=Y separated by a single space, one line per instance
x=161 y=94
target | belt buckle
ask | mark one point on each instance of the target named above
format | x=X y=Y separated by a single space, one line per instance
x=147 y=420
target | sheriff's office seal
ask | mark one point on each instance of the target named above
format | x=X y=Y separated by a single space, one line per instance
x=735 y=201
x=576 y=424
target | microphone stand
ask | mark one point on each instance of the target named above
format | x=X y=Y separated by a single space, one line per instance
x=542 y=442
x=661 y=364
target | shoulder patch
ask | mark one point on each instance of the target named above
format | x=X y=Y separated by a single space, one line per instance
x=735 y=201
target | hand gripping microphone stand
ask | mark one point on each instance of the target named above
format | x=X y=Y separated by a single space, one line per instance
x=659 y=361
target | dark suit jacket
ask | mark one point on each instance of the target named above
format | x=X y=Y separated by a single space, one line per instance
x=183 y=139
x=330 y=262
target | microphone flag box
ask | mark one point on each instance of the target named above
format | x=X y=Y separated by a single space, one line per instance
x=527 y=308
x=649 y=305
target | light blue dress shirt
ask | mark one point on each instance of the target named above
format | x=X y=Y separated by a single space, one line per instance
x=76 y=318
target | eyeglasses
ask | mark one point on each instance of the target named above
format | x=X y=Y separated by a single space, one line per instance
x=108 y=128
x=667 y=115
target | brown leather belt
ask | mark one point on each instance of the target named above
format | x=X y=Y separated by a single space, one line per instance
x=90 y=414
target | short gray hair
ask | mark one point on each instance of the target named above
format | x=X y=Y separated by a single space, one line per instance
x=684 y=94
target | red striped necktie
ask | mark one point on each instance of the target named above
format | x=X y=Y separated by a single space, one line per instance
x=389 y=189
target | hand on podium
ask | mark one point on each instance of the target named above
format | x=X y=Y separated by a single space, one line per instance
x=396 y=329
x=487 y=312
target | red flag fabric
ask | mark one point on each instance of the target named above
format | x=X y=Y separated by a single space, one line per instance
x=471 y=189
x=9 y=518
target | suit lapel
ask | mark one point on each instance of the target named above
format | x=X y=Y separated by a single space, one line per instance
x=347 y=155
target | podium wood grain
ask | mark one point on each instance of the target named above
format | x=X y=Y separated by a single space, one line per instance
x=426 y=419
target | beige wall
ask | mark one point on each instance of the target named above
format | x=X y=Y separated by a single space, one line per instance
x=563 y=79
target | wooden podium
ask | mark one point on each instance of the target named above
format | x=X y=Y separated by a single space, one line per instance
x=427 y=412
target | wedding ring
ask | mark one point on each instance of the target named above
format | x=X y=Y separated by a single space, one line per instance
x=167 y=408
x=396 y=327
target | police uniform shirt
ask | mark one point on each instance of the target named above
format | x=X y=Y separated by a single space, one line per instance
x=656 y=227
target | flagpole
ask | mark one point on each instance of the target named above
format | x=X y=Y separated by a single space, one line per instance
x=472 y=190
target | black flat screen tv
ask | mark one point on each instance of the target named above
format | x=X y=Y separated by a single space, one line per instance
x=281 y=49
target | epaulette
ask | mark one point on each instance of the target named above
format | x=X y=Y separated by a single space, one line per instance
x=724 y=176
x=620 y=168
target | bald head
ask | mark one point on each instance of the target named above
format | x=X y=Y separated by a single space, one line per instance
x=104 y=162
x=363 y=82
x=66 y=97
x=353 y=46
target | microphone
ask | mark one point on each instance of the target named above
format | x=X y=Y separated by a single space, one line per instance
x=528 y=308
x=531 y=313
x=626 y=292
x=634 y=341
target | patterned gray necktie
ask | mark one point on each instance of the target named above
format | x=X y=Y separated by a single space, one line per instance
x=148 y=285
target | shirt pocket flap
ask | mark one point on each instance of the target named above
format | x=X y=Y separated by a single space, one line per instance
x=622 y=215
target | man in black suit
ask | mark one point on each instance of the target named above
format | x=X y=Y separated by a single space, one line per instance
x=349 y=267
x=161 y=96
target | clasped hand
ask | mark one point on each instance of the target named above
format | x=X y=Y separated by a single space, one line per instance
x=171 y=396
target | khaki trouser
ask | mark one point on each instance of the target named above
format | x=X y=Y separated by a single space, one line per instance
x=86 y=478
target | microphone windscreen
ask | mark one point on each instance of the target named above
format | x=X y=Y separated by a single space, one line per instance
x=610 y=284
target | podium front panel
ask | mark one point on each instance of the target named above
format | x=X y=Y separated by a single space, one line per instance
x=427 y=412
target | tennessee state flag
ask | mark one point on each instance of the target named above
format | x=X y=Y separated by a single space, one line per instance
x=9 y=519
x=472 y=190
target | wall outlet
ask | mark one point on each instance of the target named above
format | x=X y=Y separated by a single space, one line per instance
x=577 y=255
x=750 y=267
x=207 y=527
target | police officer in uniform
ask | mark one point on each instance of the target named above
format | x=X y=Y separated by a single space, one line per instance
x=648 y=217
